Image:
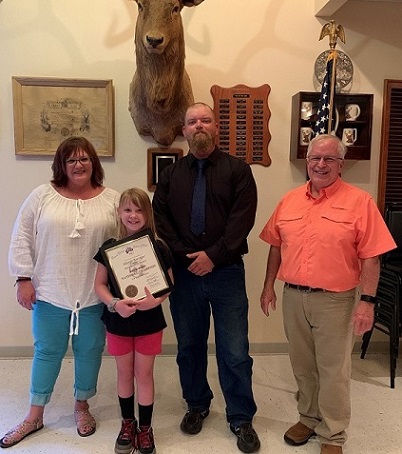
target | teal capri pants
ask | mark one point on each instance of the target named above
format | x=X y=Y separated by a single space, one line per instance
x=51 y=333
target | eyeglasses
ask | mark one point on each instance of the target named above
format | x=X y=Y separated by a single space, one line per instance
x=326 y=159
x=84 y=160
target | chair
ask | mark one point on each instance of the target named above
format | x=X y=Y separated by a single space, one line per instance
x=387 y=317
x=393 y=218
x=388 y=312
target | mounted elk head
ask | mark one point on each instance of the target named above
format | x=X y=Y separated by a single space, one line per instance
x=160 y=90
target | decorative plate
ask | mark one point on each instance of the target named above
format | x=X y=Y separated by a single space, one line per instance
x=344 y=69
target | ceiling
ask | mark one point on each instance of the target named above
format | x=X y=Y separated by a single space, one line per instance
x=326 y=8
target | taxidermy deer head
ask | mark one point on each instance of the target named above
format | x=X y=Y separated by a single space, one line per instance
x=160 y=91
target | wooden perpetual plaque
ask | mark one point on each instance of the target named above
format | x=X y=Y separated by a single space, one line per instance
x=242 y=114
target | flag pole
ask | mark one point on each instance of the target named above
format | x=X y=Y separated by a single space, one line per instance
x=334 y=55
x=334 y=32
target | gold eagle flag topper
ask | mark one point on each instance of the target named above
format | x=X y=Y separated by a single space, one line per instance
x=334 y=32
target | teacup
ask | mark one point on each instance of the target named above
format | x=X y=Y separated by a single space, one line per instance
x=352 y=112
x=306 y=110
x=349 y=136
x=306 y=135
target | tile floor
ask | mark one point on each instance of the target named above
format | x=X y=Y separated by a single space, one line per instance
x=376 y=420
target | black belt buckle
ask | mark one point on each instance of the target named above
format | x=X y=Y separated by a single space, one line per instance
x=304 y=289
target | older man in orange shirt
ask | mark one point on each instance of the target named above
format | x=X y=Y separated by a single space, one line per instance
x=326 y=238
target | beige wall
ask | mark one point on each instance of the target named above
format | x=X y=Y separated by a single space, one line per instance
x=258 y=42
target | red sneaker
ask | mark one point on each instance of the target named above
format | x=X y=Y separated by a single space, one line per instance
x=125 y=441
x=145 y=440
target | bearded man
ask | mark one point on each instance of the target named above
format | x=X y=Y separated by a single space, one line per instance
x=205 y=207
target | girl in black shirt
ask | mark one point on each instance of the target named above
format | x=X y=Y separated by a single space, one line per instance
x=134 y=326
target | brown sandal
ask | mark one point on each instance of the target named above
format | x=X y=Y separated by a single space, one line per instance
x=18 y=433
x=86 y=424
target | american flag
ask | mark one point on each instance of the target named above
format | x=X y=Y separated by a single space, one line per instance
x=324 y=104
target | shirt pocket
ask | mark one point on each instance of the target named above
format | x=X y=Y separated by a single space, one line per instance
x=290 y=226
x=339 y=228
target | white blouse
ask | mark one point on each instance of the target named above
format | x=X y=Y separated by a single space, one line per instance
x=54 y=240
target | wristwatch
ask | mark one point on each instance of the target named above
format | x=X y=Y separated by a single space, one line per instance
x=111 y=306
x=368 y=299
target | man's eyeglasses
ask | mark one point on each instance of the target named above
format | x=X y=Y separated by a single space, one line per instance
x=326 y=159
x=84 y=160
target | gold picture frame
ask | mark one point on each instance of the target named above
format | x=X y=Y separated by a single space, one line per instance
x=48 y=110
x=158 y=159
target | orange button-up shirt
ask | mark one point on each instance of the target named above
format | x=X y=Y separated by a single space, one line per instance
x=323 y=240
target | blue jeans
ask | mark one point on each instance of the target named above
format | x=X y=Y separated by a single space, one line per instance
x=223 y=292
x=50 y=328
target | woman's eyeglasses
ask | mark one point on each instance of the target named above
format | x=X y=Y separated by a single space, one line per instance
x=84 y=160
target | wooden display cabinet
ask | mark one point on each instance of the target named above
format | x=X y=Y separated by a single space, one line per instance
x=360 y=145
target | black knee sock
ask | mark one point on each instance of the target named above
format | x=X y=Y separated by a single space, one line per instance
x=127 y=407
x=145 y=414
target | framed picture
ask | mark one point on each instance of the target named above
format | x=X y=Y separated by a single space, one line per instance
x=134 y=263
x=47 y=111
x=158 y=159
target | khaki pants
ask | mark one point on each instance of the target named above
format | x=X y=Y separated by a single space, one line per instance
x=320 y=334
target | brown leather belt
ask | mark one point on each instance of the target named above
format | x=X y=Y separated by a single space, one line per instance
x=304 y=288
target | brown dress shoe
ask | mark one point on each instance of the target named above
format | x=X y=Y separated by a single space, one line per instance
x=298 y=435
x=331 y=449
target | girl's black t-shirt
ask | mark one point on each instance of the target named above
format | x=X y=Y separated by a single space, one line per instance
x=141 y=322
